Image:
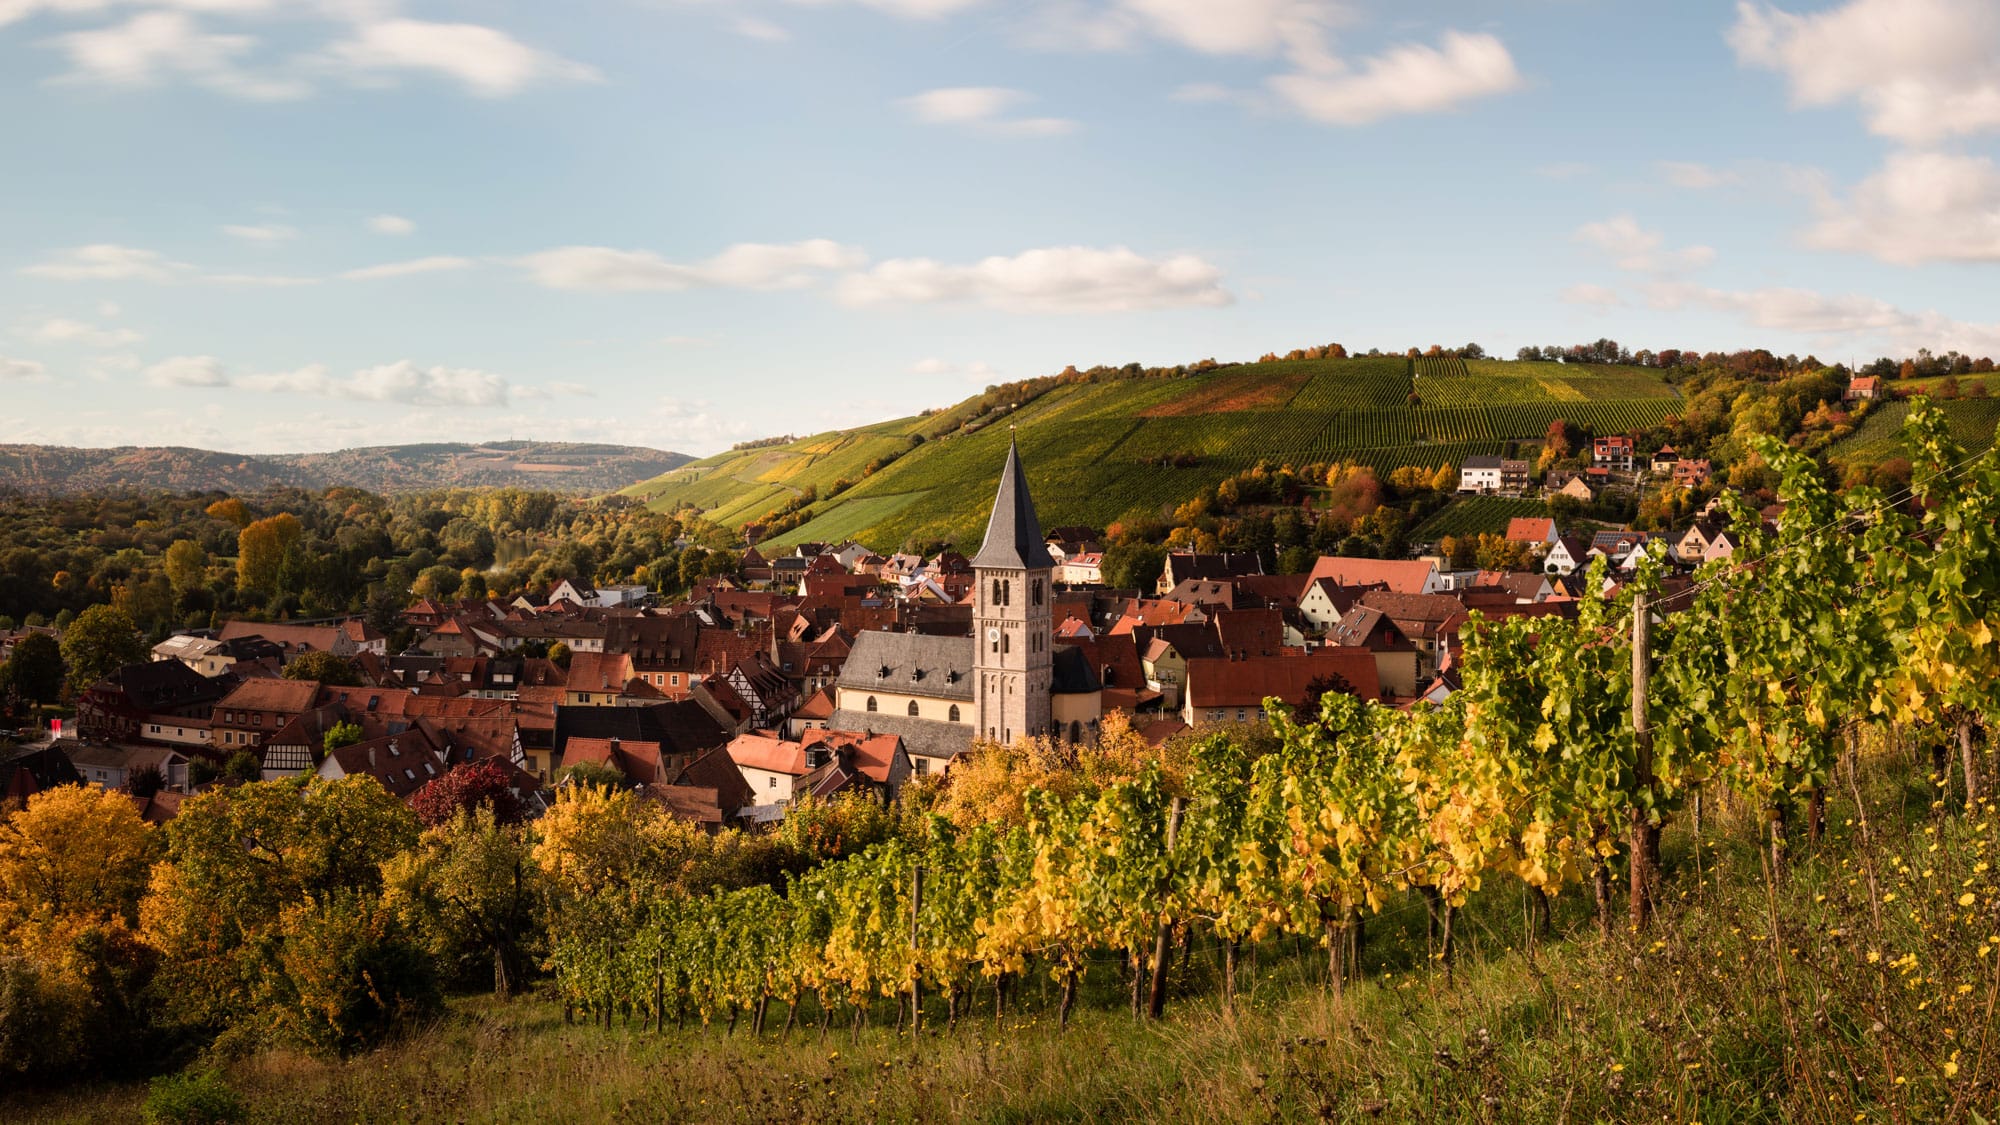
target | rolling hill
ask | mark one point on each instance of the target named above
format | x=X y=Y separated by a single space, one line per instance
x=1098 y=451
x=560 y=466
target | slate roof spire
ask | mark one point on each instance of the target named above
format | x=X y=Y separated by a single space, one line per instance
x=1013 y=536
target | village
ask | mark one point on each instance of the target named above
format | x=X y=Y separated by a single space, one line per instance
x=831 y=669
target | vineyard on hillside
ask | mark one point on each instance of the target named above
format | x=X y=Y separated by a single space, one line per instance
x=1556 y=765
x=1096 y=452
x=1476 y=515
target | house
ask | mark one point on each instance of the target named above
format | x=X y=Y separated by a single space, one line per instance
x=296 y=639
x=257 y=709
x=1693 y=545
x=1183 y=565
x=814 y=714
x=203 y=654
x=684 y=729
x=1085 y=569
x=641 y=763
x=1575 y=488
x=1429 y=621
x=1862 y=387
x=1664 y=461
x=402 y=763
x=1569 y=553
x=1372 y=630
x=1327 y=601
x=1480 y=473
x=1692 y=473
x=1235 y=691
x=1538 y=532
x=596 y=679
x=849 y=760
x=1613 y=454
x=770 y=765
x=1401 y=576
x=110 y=765
x=1514 y=475
x=122 y=704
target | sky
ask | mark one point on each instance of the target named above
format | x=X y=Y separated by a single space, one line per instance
x=292 y=225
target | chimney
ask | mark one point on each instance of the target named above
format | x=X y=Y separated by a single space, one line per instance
x=371 y=759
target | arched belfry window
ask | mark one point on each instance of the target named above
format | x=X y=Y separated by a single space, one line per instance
x=871 y=704
x=1035 y=589
x=954 y=712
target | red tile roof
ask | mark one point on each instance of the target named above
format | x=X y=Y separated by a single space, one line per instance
x=1400 y=576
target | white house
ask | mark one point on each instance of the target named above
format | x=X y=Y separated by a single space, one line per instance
x=1480 y=473
x=769 y=764
x=1566 y=556
x=1082 y=569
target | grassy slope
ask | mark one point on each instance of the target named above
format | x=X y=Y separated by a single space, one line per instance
x=1087 y=446
x=1705 y=1019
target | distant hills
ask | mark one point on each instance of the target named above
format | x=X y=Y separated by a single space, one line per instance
x=1099 y=450
x=557 y=466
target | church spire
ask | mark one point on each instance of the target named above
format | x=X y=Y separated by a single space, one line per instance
x=1013 y=535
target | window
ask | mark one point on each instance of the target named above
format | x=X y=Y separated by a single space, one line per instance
x=677 y=679
x=1239 y=715
x=872 y=708
x=923 y=764
x=774 y=781
x=953 y=713
x=1006 y=642
x=1035 y=588
x=913 y=708
x=996 y=592
x=1075 y=731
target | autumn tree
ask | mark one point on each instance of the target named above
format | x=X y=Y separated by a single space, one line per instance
x=230 y=510
x=260 y=552
x=466 y=788
x=341 y=734
x=187 y=567
x=323 y=667
x=469 y=891
x=268 y=915
x=74 y=853
x=101 y=640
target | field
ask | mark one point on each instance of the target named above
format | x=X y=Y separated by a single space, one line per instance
x=1098 y=452
x=1476 y=514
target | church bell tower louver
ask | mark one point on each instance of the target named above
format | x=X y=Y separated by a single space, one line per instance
x=1013 y=631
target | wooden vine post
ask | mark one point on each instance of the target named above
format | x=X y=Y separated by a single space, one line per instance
x=1157 y=1003
x=1640 y=845
x=916 y=969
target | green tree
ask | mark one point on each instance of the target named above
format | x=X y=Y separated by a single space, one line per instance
x=324 y=667
x=101 y=640
x=341 y=734
x=559 y=654
x=35 y=671
x=1133 y=566
x=469 y=890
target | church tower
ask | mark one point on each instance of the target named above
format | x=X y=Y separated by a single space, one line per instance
x=1012 y=629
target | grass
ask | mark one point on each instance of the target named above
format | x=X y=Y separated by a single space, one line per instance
x=1093 y=450
x=1746 y=1001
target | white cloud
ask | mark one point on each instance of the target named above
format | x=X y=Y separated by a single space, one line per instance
x=63 y=330
x=155 y=45
x=1411 y=78
x=742 y=266
x=436 y=264
x=750 y=27
x=1638 y=250
x=188 y=371
x=268 y=232
x=391 y=224
x=909 y=9
x=1694 y=176
x=1847 y=318
x=978 y=373
x=1588 y=294
x=21 y=370
x=983 y=108
x=400 y=382
x=555 y=390
x=109 y=262
x=489 y=62
x=1057 y=279
x=1920 y=207
x=1921 y=70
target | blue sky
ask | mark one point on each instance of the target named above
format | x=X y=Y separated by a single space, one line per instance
x=270 y=225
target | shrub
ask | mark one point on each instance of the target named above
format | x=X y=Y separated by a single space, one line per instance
x=196 y=1097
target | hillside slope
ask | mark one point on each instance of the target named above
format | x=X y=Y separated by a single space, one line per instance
x=1098 y=451
x=561 y=466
